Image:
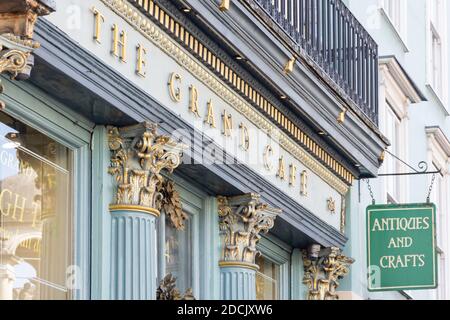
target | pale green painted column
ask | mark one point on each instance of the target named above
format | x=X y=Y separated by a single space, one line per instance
x=238 y=283
x=241 y=219
x=298 y=289
x=137 y=157
x=134 y=253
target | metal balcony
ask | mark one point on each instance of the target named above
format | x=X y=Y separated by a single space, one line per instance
x=327 y=33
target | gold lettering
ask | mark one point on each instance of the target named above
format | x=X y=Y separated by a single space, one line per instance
x=268 y=151
x=193 y=100
x=2 y=194
x=21 y=208
x=175 y=93
x=99 y=19
x=227 y=124
x=141 y=62
x=292 y=174
x=35 y=214
x=26 y=244
x=245 y=138
x=210 y=116
x=281 y=172
x=119 y=40
x=37 y=246
x=304 y=183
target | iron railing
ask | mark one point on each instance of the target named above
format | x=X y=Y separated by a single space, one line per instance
x=336 y=42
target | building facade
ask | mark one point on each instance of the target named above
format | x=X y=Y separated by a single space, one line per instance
x=413 y=42
x=212 y=145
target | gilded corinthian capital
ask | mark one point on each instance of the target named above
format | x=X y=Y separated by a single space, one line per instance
x=138 y=156
x=324 y=267
x=241 y=220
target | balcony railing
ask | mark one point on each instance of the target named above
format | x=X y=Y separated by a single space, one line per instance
x=336 y=42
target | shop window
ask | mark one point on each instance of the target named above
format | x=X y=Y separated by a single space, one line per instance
x=267 y=279
x=178 y=254
x=273 y=276
x=36 y=213
x=178 y=249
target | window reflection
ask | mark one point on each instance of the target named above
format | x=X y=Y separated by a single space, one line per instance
x=267 y=279
x=178 y=254
x=34 y=218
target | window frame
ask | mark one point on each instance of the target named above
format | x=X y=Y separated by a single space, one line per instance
x=195 y=203
x=40 y=111
x=396 y=95
x=439 y=155
x=439 y=32
x=400 y=28
x=279 y=253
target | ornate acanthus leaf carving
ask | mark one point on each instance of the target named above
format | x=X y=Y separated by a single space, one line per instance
x=323 y=270
x=138 y=157
x=171 y=204
x=167 y=290
x=241 y=220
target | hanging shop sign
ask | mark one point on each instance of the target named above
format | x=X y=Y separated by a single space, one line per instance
x=401 y=247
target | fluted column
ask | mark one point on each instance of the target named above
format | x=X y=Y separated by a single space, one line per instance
x=138 y=157
x=242 y=219
x=324 y=267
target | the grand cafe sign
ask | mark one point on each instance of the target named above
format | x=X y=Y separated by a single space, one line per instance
x=136 y=47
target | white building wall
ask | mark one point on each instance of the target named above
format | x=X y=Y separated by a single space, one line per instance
x=411 y=47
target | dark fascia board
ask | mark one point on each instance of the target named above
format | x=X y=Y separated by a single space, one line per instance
x=51 y=4
x=72 y=61
x=238 y=28
x=415 y=87
x=258 y=83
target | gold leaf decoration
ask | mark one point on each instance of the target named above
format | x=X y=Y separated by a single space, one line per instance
x=324 y=268
x=168 y=290
x=138 y=156
x=241 y=221
x=171 y=204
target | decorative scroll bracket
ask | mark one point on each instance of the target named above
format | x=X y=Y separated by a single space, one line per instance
x=324 y=267
x=241 y=220
x=422 y=167
x=17 y=20
x=423 y=170
x=138 y=157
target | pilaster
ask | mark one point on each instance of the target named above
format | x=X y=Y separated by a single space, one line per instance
x=241 y=220
x=138 y=157
x=324 y=267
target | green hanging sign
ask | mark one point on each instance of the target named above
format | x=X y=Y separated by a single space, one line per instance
x=401 y=247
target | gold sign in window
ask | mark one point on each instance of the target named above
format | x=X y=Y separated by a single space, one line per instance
x=35 y=204
x=267 y=279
